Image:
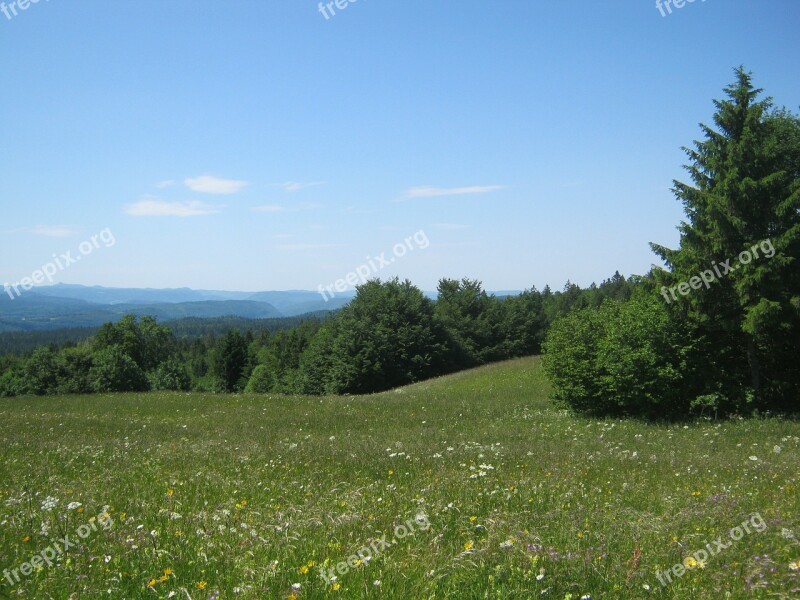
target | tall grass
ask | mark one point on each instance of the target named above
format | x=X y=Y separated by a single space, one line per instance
x=249 y=496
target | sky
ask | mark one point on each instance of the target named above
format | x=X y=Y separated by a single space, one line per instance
x=271 y=145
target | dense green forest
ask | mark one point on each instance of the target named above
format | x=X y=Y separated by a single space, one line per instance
x=717 y=332
x=389 y=335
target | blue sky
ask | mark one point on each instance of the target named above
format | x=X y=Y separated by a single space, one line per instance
x=257 y=145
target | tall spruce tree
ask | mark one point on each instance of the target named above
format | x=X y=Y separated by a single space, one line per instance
x=743 y=201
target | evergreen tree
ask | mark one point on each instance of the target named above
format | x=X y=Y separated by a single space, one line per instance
x=229 y=361
x=743 y=200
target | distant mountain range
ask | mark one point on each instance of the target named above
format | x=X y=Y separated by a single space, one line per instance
x=63 y=305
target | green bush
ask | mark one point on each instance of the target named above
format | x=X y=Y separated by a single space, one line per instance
x=115 y=371
x=170 y=376
x=261 y=381
x=620 y=359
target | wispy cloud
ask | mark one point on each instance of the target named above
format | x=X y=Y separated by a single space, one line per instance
x=165 y=184
x=270 y=208
x=296 y=186
x=153 y=207
x=52 y=231
x=451 y=226
x=207 y=184
x=427 y=191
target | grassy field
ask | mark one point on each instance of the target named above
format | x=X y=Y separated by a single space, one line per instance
x=468 y=486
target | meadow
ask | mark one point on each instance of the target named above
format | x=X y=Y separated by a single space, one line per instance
x=467 y=486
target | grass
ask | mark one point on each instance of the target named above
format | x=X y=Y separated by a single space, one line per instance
x=248 y=496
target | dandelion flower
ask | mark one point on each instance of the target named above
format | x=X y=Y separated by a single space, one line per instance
x=692 y=563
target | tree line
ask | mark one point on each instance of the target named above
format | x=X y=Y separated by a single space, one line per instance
x=390 y=334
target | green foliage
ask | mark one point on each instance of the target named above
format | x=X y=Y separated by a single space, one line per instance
x=229 y=361
x=40 y=375
x=620 y=359
x=744 y=196
x=261 y=381
x=386 y=337
x=146 y=342
x=114 y=371
x=170 y=376
x=73 y=366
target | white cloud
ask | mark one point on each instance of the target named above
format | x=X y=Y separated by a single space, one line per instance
x=208 y=184
x=427 y=191
x=270 y=208
x=296 y=186
x=153 y=207
x=52 y=231
x=165 y=184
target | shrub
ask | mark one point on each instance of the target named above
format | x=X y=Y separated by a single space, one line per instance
x=620 y=359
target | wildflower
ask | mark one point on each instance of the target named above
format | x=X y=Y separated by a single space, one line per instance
x=540 y=576
x=754 y=458
x=201 y=585
x=473 y=518
x=49 y=503
x=336 y=585
x=74 y=505
x=303 y=570
x=692 y=563
x=468 y=545
x=152 y=583
x=777 y=449
x=795 y=565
